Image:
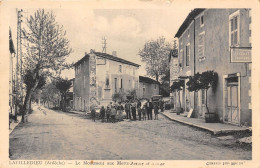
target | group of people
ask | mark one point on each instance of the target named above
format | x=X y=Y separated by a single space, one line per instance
x=144 y=109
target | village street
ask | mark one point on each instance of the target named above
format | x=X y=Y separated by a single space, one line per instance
x=63 y=136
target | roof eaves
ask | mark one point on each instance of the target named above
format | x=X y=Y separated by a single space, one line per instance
x=188 y=20
x=117 y=59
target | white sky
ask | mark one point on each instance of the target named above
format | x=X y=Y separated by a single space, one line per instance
x=126 y=30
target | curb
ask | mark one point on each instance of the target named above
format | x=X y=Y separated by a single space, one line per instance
x=14 y=124
x=214 y=132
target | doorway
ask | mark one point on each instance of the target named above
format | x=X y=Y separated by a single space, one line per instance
x=232 y=107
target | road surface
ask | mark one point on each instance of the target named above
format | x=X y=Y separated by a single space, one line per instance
x=54 y=135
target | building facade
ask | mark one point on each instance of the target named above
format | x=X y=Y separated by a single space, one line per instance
x=147 y=87
x=219 y=40
x=174 y=72
x=98 y=76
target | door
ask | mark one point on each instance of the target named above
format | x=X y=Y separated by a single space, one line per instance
x=232 y=114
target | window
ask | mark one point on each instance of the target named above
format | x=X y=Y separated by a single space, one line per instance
x=202 y=21
x=234 y=29
x=84 y=81
x=121 y=83
x=201 y=45
x=188 y=55
x=180 y=58
x=120 y=68
x=115 y=84
x=155 y=86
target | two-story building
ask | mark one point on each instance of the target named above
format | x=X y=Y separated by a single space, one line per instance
x=99 y=75
x=147 y=87
x=219 y=40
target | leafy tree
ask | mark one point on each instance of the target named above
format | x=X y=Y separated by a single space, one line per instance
x=194 y=83
x=63 y=85
x=208 y=79
x=50 y=94
x=155 y=54
x=46 y=48
x=118 y=96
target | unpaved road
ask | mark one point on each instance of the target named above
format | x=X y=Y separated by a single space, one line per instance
x=52 y=135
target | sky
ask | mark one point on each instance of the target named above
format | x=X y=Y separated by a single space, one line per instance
x=126 y=30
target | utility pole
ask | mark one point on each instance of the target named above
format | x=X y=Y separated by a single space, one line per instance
x=104 y=45
x=18 y=56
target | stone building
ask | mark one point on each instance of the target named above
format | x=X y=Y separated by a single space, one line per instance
x=219 y=40
x=147 y=87
x=99 y=75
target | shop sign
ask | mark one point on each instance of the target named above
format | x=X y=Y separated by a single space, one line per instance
x=242 y=55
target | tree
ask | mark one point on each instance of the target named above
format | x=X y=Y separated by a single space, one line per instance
x=177 y=86
x=63 y=85
x=194 y=83
x=155 y=54
x=30 y=80
x=46 y=49
x=205 y=80
x=50 y=94
x=208 y=79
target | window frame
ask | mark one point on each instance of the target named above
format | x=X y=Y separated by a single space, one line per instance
x=187 y=62
x=231 y=17
x=202 y=22
x=203 y=56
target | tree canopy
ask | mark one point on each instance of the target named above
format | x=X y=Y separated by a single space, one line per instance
x=156 y=56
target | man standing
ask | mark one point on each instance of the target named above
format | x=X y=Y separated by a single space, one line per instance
x=149 y=107
x=133 y=109
x=120 y=109
x=127 y=110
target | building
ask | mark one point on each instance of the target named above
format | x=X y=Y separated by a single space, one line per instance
x=219 y=40
x=12 y=75
x=99 y=76
x=174 y=71
x=147 y=87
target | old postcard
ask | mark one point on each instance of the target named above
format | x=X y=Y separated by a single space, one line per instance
x=148 y=83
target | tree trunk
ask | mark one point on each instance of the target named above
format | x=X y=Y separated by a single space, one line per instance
x=206 y=90
x=26 y=104
x=30 y=106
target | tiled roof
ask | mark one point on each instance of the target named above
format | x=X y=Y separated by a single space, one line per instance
x=147 y=80
x=110 y=57
x=188 y=20
x=117 y=59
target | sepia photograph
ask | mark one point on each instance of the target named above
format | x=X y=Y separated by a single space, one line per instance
x=94 y=83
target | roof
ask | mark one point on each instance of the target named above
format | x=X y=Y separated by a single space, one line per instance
x=117 y=59
x=188 y=20
x=110 y=57
x=147 y=80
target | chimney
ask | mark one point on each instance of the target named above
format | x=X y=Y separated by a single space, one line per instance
x=114 y=53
